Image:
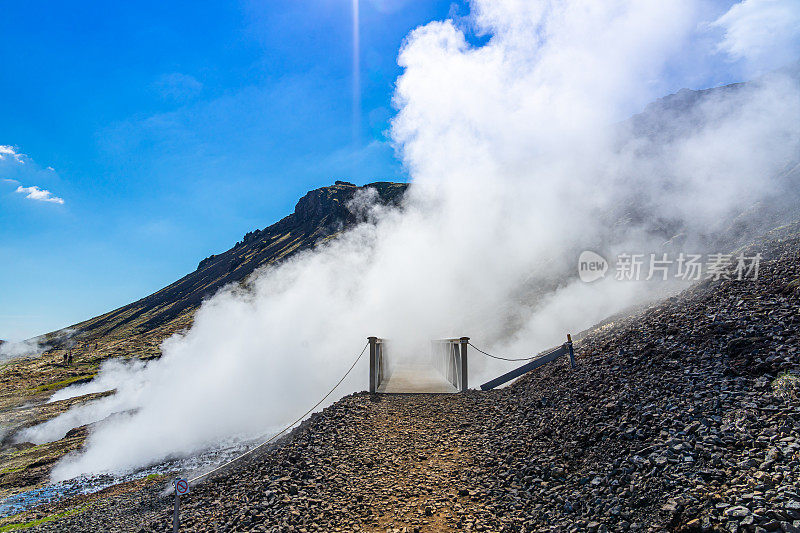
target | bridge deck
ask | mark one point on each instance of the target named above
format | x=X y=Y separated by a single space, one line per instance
x=416 y=378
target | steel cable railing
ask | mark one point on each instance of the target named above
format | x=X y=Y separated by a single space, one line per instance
x=284 y=430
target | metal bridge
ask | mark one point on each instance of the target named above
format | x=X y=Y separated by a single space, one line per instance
x=444 y=372
x=446 y=369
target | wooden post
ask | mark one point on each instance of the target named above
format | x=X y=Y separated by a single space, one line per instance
x=373 y=341
x=464 y=380
x=571 y=352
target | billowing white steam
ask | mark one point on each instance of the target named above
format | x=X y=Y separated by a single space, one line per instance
x=27 y=348
x=516 y=168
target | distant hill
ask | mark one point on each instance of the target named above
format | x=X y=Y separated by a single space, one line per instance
x=685 y=111
x=682 y=115
x=141 y=325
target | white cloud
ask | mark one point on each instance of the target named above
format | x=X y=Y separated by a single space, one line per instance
x=764 y=32
x=9 y=151
x=38 y=194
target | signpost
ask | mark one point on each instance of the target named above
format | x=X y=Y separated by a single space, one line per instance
x=181 y=488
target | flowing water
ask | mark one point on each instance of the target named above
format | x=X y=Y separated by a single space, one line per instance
x=55 y=492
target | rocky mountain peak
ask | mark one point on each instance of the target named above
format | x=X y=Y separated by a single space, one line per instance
x=319 y=214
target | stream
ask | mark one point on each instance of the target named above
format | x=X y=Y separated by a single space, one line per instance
x=55 y=492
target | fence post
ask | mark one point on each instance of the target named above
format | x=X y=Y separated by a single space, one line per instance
x=464 y=380
x=571 y=353
x=372 y=363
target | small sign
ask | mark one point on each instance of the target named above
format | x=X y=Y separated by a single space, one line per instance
x=181 y=486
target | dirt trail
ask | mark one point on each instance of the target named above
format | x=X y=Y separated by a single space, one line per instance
x=368 y=463
x=371 y=463
x=425 y=465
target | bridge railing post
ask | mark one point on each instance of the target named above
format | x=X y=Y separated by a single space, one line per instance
x=373 y=371
x=380 y=362
x=464 y=381
x=453 y=366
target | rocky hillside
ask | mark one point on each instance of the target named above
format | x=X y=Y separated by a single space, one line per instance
x=682 y=417
x=137 y=329
x=318 y=215
x=680 y=116
x=675 y=115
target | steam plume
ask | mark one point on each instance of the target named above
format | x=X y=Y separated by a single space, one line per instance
x=517 y=166
x=26 y=348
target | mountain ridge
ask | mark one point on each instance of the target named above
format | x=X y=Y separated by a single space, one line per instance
x=320 y=214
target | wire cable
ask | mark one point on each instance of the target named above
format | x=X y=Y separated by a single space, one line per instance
x=507 y=358
x=284 y=430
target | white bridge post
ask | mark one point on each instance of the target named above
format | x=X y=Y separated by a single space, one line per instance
x=464 y=381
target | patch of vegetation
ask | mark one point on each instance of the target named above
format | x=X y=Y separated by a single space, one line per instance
x=27 y=450
x=17 y=526
x=153 y=477
x=63 y=383
x=786 y=385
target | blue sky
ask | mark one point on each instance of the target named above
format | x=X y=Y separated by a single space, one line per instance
x=170 y=130
x=164 y=131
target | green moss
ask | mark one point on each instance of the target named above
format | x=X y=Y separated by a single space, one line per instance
x=51 y=518
x=63 y=383
x=26 y=450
